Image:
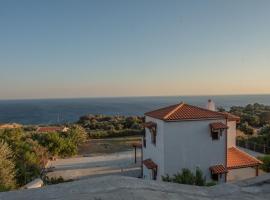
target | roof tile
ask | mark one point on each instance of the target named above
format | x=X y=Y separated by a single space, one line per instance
x=182 y=111
x=218 y=125
x=239 y=159
x=218 y=169
x=150 y=164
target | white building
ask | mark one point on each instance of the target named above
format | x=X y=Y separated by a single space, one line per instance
x=185 y=136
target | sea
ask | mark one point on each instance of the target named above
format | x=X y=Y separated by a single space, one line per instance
x=54 y=111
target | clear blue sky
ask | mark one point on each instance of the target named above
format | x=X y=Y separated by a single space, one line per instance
x=54 y=48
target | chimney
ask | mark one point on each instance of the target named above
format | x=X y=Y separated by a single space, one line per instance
x=211 y=105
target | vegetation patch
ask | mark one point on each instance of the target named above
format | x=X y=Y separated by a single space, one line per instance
x=189 y=178
x=255 y=124
x=25 y=154
x=102 y=126
x=266 y=163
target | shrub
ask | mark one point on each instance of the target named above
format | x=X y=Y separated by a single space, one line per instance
x=58 y=144
x=55 y=180
x=266 y=163
x=199 y=179
x=186 y=177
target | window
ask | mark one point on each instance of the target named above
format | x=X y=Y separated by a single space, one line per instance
x=215 y=135
x=217 y=129
x=215 y=177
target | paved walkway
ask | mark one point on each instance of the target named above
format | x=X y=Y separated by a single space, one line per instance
x=121 y=163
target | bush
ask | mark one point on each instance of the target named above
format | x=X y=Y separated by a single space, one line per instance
x=266 y=163
x=58 y=144
x=55 y=180
x=187 y=177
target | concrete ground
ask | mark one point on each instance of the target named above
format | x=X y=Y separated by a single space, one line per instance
x=125 y=188
x=121 y=163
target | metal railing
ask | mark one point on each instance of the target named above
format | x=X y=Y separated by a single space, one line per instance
x=261 y=148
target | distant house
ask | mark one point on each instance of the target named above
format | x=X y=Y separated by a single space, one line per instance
x=185 y=136
x=48 y=129
x=10 y=126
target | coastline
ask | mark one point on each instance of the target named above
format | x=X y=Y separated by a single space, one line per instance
x=59 y=111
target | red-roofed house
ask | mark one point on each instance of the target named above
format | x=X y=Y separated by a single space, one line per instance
x=185 y=136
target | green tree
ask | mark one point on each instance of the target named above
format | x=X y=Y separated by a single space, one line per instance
x=265 y=130
x=246 y=128
x=77 y=134
x=7 y=168
x=29 y=155
x=221 y=109
x=265 y=118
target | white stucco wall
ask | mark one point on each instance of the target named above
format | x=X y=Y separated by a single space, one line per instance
x=188 y=144
x=231 y=133
x=154 y=152
x=241 y=174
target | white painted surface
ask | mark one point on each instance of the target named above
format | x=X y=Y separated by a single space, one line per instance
x=241 y=174
x=188 y=144
x=211 y=105
x=231 y=134
x=185 y=144
x=154 y=152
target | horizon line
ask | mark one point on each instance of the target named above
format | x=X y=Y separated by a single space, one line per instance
x=139 y=96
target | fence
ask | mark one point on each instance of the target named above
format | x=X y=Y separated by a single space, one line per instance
x=261 y=148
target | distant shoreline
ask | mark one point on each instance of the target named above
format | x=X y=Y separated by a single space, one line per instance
x=59 y=111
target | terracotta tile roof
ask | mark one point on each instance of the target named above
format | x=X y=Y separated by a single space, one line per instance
x=49 y=129
x=218 y=125
x=232 y=117
x=239 y=159
x=150 y=164
x=182 y=111
x=218 y=169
